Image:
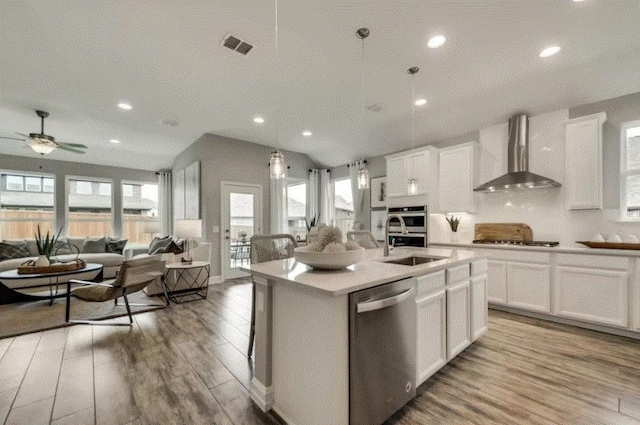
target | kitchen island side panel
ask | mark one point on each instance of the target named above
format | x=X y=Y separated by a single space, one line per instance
x=310 y=356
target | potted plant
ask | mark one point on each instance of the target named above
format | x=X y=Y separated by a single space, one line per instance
x=454 y=222
x=46 y=246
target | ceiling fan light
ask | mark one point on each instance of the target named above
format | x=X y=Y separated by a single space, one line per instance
x=43 y=148
x=277 y=165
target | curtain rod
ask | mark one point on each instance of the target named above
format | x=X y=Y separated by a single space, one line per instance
x=364 y=161
x=327 y=170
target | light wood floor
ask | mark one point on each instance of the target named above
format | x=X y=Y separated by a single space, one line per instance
x=186 y=365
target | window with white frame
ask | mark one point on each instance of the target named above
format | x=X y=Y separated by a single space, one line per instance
x=90 y=208
x=630 y=171
x=297 y=209
x=343 y=204
x=26 y=203
x=140 y=220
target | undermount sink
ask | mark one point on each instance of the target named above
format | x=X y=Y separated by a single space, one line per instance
x=414 y=260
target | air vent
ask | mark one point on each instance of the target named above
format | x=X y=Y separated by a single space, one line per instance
x=236 y=44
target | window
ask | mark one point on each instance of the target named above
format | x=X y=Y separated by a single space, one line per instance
x=297 y=209
x=140 y=221
x=47 y=185
x=22 y=211
x=89 y=214
x=630 y=171
x=343 y=200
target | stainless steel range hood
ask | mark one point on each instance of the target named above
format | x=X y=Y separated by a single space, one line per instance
x=518 y=176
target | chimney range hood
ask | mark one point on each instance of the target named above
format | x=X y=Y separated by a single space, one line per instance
x=518 y=176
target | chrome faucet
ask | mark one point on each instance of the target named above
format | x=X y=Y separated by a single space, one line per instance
x=403 y=229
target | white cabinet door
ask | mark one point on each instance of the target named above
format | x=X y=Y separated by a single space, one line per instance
x=479 y=309
x=497 y=284
x=417 y=168
x=456 y=180
x=432 y=335
x=396 y=177
x=594 y=295
x=583 y=147
x=458 y=319
x=529 y=286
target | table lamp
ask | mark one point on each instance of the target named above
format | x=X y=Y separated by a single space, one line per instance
x=188 y=229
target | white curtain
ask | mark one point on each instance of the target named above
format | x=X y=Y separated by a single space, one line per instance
x=357 y=196
x=327 y=198
x=278 y=206
x=313 y=197
x=165 y=202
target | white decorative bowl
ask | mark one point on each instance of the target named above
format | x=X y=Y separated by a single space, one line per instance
x=328 y=260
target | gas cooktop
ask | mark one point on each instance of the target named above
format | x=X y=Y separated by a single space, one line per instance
x=515 y=242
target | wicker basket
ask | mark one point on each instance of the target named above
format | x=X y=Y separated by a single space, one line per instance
x=54 y=268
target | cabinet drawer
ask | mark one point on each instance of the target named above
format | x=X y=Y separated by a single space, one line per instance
x=430 y=283
x=519 y=256
x=594 y=261
x=457 y=274
x=479 y=267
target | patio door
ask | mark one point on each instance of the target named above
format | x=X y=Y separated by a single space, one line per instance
x=241 y=219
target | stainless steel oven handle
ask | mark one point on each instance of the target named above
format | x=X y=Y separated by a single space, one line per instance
x=385 y=302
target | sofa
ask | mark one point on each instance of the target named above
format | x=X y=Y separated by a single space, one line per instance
x=111 y=261
x=199 y=252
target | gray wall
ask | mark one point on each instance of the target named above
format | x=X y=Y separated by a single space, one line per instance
x=619 y=110
x=225 y=159
x=62 y=169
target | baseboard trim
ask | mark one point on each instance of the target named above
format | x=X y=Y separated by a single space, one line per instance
x=215 y=280
x=261 y=395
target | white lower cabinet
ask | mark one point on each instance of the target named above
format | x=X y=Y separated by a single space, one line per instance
x=497 y=284
x=479 y=312
x=595 y=295
x=458 y=318
x=432 y=334
x=529 y=286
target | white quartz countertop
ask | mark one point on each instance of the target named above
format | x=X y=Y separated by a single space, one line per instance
x=365 y=274
x=559 y=249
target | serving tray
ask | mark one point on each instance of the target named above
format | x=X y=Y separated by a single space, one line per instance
x=610 y=245
x=54 y=268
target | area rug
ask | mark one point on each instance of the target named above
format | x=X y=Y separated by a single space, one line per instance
x=35 y=316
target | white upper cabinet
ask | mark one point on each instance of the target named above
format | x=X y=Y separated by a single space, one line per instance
x=458 y=175
x=583 y=152
x=419 y=165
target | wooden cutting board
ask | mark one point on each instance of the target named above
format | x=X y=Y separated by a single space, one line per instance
x=503 y=231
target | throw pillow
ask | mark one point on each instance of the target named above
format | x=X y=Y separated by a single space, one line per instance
x=116 y=246
x=13 y=250
x=94 y=246
x=159 y=245
x=175 y=248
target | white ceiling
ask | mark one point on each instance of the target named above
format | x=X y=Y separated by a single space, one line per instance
x=78 y=59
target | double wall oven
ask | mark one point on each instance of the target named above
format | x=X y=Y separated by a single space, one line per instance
x=416 y=220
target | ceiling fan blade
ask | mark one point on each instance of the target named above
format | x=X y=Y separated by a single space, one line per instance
x=11 y=138
x=67 y=148
x=24 y=135
x=72 y=145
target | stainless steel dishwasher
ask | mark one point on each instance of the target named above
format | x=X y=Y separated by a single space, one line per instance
x=382 y=351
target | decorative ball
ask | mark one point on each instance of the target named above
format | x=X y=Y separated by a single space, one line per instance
x=352 y=245
x=314 y=247
x=335 y=247
x=329 y=234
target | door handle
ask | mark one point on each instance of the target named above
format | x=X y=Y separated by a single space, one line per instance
x=385 y=302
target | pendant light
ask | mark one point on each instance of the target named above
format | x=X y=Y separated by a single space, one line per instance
x=363 y=173
x=277 y=164
x=412 y=187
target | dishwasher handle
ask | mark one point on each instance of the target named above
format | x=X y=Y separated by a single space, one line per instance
x=385 y=302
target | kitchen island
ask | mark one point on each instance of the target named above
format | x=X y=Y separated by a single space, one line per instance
x=302 y=362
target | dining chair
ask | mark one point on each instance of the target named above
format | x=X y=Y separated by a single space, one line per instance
x=363 y=238
x=133 y=276
x=267 y=248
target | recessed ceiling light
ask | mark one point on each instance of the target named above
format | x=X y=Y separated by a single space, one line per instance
x=114 y=141
x=549 y=51
x=258 y=120
x=125 y=106
x=578 y=1
x=436 y=41
x=421 y=102
x=307 y=133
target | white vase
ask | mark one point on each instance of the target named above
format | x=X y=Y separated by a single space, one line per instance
x=42 y=261
x=455 y=237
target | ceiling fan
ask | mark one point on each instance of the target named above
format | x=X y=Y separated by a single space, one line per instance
x=45 y=144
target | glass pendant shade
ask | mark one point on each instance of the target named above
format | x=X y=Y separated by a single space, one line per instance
x=363 y=177
x=277 y=165
x=42 y=148
x=413 y=186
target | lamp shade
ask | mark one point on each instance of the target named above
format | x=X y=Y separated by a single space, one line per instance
x=151 y=227
x=188 y=229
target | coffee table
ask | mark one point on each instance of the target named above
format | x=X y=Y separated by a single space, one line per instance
x=52 y=281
